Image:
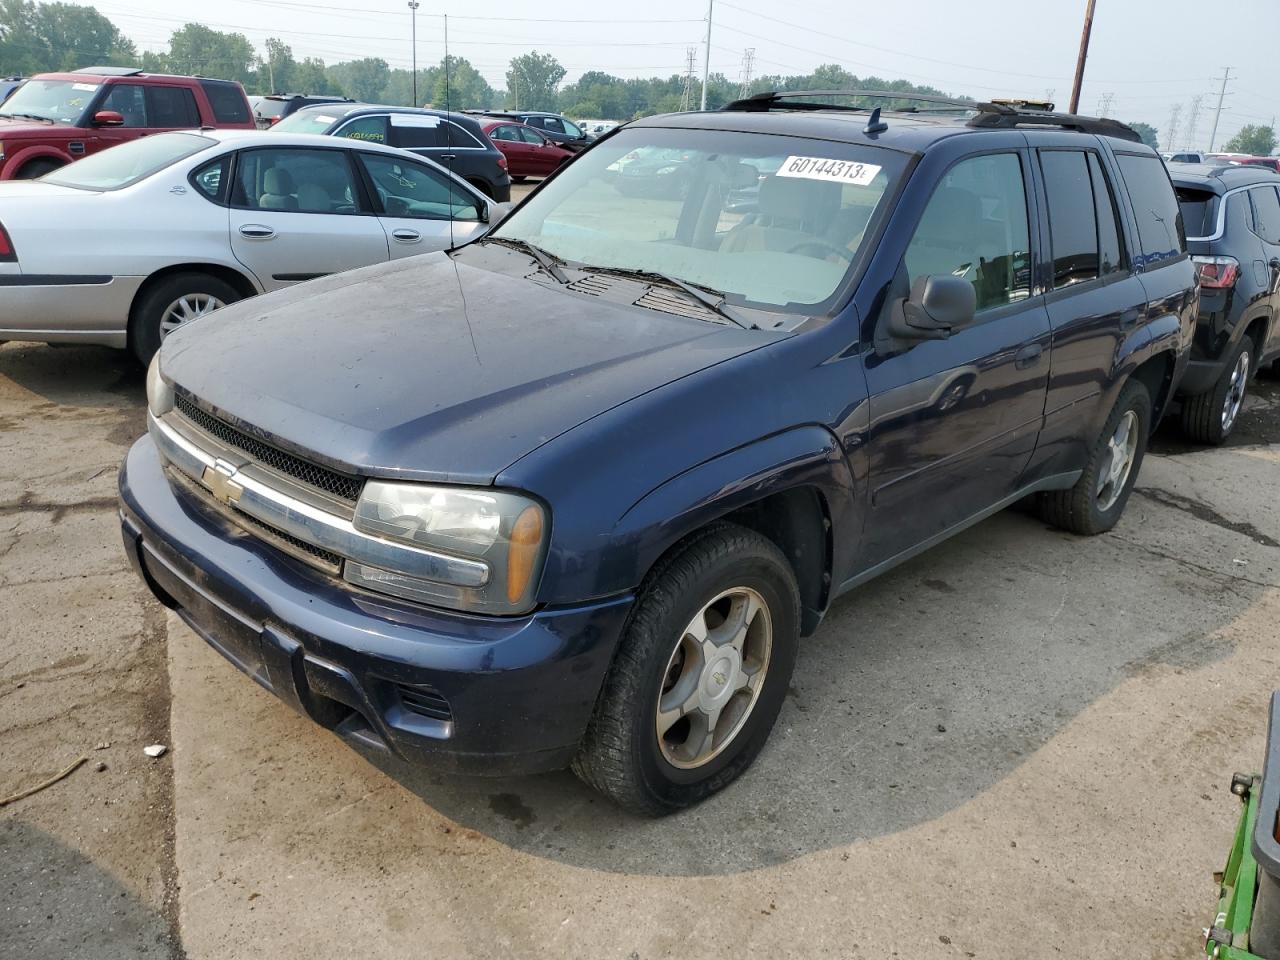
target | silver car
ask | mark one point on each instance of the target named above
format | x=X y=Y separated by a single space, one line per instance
x=125 y=245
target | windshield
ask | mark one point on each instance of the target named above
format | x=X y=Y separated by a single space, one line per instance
x=64 y=101
x=769 y=221
x=308 y=121
x=128 y=163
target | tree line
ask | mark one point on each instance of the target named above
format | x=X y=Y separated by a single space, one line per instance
x=40 y=37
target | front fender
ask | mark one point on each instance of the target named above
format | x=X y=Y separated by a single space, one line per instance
x=804 y=457
x=15 y=161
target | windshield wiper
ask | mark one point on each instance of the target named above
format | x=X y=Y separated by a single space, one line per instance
x=28 y=116
x=713 y=300
x=545 y=260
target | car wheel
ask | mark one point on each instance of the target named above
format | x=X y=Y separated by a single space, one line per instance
x=169 y=304
x=1095 y=503
x=37 y=168
x=1210 y=417
x=699 y=676
x=482 y=187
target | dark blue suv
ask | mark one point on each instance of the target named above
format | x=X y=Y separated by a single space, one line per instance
x=573 y=493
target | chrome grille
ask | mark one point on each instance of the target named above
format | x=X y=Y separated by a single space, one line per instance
x=330 y=560
x=340 y=485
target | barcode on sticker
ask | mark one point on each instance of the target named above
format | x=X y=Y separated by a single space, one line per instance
x=824 y=168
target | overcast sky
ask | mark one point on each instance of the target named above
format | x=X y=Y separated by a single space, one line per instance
x=1148 y=54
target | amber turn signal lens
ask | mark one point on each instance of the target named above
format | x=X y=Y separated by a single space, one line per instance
x=522 y=554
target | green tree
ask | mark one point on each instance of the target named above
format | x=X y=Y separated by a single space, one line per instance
x=277 y=71
x=310 y=77
x=198 y=49
x=37 y=37
x=1255 y=139
x=1149 y=134
x=532 y=81
x=366 y=78
x=465 y=88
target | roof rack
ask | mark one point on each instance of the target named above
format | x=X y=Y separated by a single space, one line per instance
x=110 y=71
x=1016 y=113
x=776 y=99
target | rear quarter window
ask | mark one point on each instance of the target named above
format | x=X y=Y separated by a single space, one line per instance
x=228 y=101
x=1160 y=229
x=1199 y=211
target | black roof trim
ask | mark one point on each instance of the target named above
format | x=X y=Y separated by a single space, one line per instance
x=1008 y=115
x=111 y=71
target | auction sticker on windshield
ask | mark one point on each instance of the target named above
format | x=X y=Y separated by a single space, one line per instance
x=824 y=168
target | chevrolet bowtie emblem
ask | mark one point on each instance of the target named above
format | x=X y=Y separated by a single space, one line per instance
x=218 y=479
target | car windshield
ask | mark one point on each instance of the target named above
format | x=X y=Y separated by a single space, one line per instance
x=771 y=222
x=307 y=121
x=63 y=101
x=129 y=163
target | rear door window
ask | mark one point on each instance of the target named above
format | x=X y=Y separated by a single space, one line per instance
x=1073 y=221
x=172 y=107
x=368 y=129
x=1266 y=213
x=1110 y=248
x=1160 y=229
x=296 y=179
x=416 y=132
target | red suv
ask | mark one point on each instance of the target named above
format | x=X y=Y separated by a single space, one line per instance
x=55 y=118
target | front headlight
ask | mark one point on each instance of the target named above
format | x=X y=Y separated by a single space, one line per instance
x=505 y=532
x=159 y=393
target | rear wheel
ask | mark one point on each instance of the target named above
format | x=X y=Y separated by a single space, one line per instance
x=482 y=187
x=1095 y=503
x=172 y=302
x=1210 y=417
x=699 y=677
x=37 y=168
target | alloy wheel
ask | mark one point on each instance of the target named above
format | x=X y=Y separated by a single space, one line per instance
x=714 y=677
x=1235 y=391
x=1121 y=449
x=189 y=306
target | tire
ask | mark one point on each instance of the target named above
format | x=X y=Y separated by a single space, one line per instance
x=622 y=755
x=1094 y=505
x=482 y=187
x=146 y=322
x=1210 y=417
x=37 y=168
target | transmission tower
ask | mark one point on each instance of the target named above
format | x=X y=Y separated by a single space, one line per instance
x=690 y=59
x=1048 y=94
x=1104 y=104
x=748 y=61
x=1171 y=143
x=1192 y=118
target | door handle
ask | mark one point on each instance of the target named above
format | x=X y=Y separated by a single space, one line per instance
x=406 y=236
x=448 y=156
x=256 y=231
x=1028 y=356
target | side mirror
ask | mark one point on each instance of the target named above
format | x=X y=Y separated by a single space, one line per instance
x=937 y=306
x=108 y=118
x=497 y=212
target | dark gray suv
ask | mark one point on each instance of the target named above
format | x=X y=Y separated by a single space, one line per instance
x=453 y=140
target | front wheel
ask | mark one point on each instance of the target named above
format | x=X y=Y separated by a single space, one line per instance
x=37 y=168
x=169 y=304
x=1210 y=417
x=699 y=676
x=1095 y=503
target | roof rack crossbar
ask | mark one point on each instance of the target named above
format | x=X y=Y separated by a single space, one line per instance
x=1007 y=115
x=776 y=99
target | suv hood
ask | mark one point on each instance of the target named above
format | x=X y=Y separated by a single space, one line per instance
x=14 y=127
x=429 y=369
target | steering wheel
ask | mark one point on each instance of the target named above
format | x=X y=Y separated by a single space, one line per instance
x=823 y=247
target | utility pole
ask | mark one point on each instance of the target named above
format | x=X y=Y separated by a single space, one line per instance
x=690 y=66
x=1104 y=104
x=748 y=60
x=413 y=31
x=1217 y=114
x=706 y=63
x=1171 y=144
x=1192 y=118
x=1083 y=55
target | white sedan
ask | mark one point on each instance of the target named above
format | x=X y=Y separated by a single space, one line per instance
x=121 y=247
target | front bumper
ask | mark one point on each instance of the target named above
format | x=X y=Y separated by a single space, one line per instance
x=465 y=694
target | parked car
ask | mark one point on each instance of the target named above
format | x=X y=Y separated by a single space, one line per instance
x=122 y=247
x=8 y=85
x=528 y=152
x=1232 y=214
x=572 y=494
x=1189 y=156
x=1271 y=163
x=653 y=172
x=559 y=129
x=273 y=108
x=454 y=140
x=56 y=118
